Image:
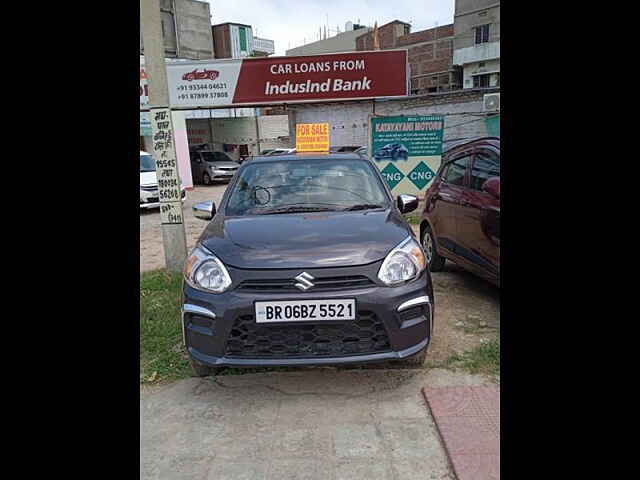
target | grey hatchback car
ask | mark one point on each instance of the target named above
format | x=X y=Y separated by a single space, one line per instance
x=307 y=261
x=208 y=166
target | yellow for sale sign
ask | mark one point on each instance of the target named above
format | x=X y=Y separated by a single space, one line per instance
x=312 y=137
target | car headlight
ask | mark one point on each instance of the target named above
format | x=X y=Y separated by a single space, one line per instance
x=404 y=263
x=204 y=271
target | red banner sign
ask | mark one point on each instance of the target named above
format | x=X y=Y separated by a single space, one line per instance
x=339 y=76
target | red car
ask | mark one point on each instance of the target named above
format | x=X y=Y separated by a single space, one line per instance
x=203 y=75
x=461 y=218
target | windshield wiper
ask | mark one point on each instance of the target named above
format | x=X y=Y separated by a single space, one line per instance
x=296 y=209
x=363 y=206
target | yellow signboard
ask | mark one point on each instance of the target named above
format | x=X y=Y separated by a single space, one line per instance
x=312 y=137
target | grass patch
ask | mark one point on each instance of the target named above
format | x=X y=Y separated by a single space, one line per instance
x=162 y=353
x=413 y=219
x=483 y=359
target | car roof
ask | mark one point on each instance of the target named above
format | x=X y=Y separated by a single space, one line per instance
x=309 y=155
x=456 y=143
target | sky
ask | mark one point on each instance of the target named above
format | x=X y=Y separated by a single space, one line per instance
x=289 y=23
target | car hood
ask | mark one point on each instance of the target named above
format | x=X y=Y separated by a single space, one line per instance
x=148 y=178
x=305 y=240
x=224 y=164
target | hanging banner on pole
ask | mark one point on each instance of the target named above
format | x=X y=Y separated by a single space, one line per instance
x=407 y=151
x=164 y=150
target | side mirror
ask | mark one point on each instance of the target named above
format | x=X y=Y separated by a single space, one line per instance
x=492 y=187
x=407 y=203
x=205 y=210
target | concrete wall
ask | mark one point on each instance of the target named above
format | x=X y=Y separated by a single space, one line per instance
x=193 y=38
x=349 y=122
x=343 y=42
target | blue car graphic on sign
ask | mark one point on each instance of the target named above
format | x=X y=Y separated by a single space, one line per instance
x=393 y=151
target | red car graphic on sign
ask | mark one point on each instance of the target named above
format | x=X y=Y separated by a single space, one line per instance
x=203 y=75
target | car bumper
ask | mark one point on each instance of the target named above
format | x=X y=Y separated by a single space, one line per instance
x=222 y=175
x=207 y=321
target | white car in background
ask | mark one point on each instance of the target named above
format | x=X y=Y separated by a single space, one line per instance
x=281 y=151
x=149 y=183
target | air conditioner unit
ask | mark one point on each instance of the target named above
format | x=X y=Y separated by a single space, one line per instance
x=491 y=102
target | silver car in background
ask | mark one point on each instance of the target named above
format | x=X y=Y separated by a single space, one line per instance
x=208 y=166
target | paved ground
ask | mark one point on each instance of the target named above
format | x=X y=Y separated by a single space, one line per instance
x=151 y=250
x=313 y=424
x=468 y=420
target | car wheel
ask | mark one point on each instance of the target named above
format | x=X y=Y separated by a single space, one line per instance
x=206 y=179
x=417 y=360
x=435 y=261
x=201 y=370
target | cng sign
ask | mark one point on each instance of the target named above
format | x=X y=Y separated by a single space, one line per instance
x=407 y=150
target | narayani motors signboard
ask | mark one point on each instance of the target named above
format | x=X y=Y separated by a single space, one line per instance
x=339 y=76
x=407 y=150
x=312 y=137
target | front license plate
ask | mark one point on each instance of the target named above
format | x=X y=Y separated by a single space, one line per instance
x=305 y=310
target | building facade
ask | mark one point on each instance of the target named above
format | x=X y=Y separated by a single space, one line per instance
x=236 y=40
x=477 y=42
x=349 y=121
x=342 y=42
x=186 y=29
x=430 y=54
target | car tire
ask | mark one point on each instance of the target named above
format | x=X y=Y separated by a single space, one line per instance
x=434 y=261
x=206 y=179
x=416 y=360
x=201 y=370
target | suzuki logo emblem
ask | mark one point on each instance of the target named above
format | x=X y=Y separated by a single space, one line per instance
x=304 y=281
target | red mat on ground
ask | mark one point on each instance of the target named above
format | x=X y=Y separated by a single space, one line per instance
x=468 y=419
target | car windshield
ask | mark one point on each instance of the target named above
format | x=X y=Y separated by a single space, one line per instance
x=147 y=163
x=215 y=157
x=306 y=185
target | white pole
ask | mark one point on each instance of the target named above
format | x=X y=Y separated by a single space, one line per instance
x=163 y=138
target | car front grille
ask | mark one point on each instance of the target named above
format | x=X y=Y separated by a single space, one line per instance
x=152 y=188
x=320 y=284
x=365 y=335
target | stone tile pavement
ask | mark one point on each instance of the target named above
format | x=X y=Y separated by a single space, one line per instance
x=468 y=419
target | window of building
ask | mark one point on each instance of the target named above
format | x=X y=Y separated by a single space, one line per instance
x=481 y=64
x=482 y=34
x=481 y=81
